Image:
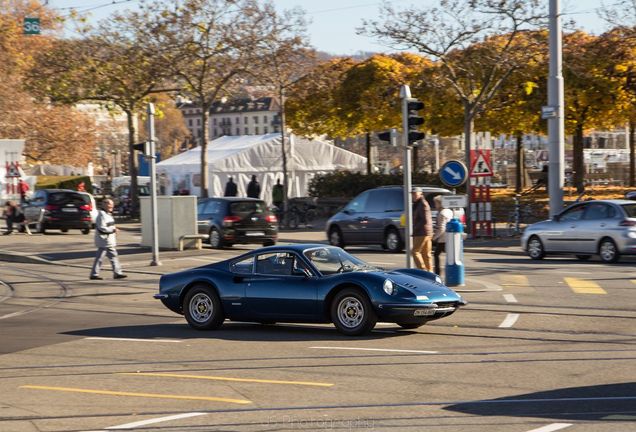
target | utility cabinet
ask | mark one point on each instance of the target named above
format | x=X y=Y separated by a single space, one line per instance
x=176 y=217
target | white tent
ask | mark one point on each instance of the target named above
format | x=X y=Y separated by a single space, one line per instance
x=241 y=157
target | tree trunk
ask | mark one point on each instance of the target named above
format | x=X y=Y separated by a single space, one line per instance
x=132 y=162
x=205 y=115
x=520 y=161
x=632 y=153
x=368 y=142
x=578 y=163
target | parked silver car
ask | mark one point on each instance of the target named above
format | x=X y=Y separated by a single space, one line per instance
x=600 y=227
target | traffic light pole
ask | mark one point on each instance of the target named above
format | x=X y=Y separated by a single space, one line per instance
x=405 y=94
x=556 y=128
x=153 y=185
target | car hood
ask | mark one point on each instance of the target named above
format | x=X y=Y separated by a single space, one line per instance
x=421 y=284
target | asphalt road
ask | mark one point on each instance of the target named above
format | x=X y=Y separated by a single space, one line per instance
x=542 y=346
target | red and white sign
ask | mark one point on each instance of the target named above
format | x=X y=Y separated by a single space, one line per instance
x=480 y=164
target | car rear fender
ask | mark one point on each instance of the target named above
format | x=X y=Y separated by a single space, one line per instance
x=335 y=290
x=192 y=283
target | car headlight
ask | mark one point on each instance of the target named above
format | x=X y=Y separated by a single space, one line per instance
x=438 y=279
x=388 y=287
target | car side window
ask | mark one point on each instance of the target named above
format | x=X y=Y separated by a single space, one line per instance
x=597 y=211
x=573 y=214
x=39 y=198
x=359 y=203
x=277 y=263
x=244 y=266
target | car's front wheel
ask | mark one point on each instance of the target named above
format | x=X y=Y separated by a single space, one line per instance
x=335 y=237
x=86 y=230
x=352 y=312
x=202 y=308
x=535 y=248
x=392 y=241
x=608 y=251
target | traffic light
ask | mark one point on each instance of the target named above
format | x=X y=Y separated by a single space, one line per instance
x=413 y=120
x=389 y=136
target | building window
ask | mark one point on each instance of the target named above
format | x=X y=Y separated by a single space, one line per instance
x=255 y=119
x=190 y=122
x=214 y=121
x=256 y=130
x=245 y=120
x=199 y=133
x=198 y=122
x=238 y=131
x=238 y=120
x=265 y=119
x=216 y=132
x=247 y=131
x=265 y=130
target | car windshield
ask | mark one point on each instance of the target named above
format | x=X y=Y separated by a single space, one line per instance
x=630 y=209
x=330 y=260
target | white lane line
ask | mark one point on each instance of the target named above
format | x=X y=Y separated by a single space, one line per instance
x=510 y=298
x=155 y=420
x=552 y=427
x=374 y=349
x=134 y=340
x=510 y=320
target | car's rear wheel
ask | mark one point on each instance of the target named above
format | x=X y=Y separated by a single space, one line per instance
x=608 y=251
x=535 y=248
x=202 y=308
x=64 y=230
x=335 y=237
x=583 y=257
x=215 y=239
x=352 y=312
x=40 y=228
x=411 y=325
x=85 y=230
x=392 y=241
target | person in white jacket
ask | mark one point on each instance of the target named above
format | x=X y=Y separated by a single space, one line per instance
x=106 y=242
x=444 y=215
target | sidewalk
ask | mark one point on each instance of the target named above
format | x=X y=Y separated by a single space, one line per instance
x=79 y=250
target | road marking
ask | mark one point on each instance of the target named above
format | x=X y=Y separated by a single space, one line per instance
x=510 y=298
x=156 y=420
x=634 y=281
x=581 y=286
x=147 y=395
x=514 y=280
x=219 y=378
x=375 y=349
x=552 y=427
x=510 y=320
x=134 y=340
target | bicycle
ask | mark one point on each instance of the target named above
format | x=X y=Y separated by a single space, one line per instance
x=520 y=216
x=300 y=213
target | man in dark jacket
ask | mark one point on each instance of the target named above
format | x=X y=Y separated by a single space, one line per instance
x=253 y=188
x=230 y=188
x=422 y=231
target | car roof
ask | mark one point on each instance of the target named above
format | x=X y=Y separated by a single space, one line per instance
x=610 y=201
x=424 y=188
x=297 y=247
x=231 y=199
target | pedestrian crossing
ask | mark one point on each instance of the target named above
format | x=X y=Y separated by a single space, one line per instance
x=521 y=283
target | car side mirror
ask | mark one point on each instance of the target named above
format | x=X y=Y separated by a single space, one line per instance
x=347 y=211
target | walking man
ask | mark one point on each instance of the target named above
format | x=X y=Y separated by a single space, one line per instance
x=444 y=215
x=422 y=231
x=106 y=242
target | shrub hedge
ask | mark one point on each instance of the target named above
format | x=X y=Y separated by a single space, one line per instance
x=344 y=184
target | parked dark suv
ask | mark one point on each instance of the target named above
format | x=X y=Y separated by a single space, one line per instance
x=373 y=218
x=236 y=220
x=61 y=209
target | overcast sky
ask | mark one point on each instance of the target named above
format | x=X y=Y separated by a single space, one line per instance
x=333 y=22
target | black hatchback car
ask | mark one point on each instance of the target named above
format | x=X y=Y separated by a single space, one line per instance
x=229 y=221
x=61 y=209
x=374 y=218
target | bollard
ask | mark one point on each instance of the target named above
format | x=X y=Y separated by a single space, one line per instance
x=454 y=253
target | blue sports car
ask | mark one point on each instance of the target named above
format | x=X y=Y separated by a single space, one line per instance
x=309 y=283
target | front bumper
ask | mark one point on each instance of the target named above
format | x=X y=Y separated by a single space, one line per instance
x=412 y=312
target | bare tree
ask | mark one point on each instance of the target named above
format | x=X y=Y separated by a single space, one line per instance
x=446 y=34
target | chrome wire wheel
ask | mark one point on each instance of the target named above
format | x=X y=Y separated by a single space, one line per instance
x=393 y=241
x=608 y=251
x=201 y=307
x=350 y=312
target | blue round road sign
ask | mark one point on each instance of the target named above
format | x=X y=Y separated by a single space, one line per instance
x=453 y=173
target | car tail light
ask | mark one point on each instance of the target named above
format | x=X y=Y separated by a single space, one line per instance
x=271 y=219
x=628 y=222
x=51 y=207
x=86 y=219
x=86 y=207
x=229 y=220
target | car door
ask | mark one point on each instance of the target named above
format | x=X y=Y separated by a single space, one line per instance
x=279 y=289
x=562 y=235
x=354 y=224
x=597 y=223
x=205 y=214
x=381 y=206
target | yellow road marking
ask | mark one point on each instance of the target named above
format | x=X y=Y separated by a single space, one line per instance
x=581 y=286
x=147 y=395
x=219 y=378
x=634 y=281
x=514 y=280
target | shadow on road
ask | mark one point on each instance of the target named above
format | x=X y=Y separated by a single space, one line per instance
x=611 y=402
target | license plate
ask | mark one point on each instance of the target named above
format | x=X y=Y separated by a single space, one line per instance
x=70 y=210
x=424 y=312
x=255 y=233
